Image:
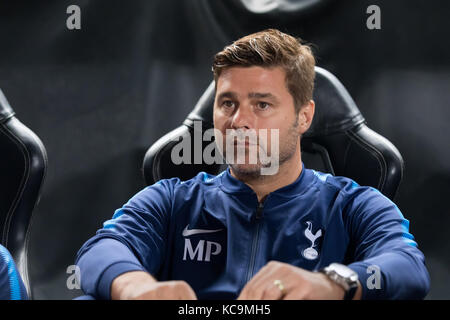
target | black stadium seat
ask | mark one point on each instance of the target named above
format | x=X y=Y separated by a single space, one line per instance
x=23 y=163
x=338 y=142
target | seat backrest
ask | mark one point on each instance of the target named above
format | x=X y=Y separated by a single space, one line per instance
x=338 y=142
x=23 y=163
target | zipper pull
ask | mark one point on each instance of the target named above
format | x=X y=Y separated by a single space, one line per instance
x=259 y=210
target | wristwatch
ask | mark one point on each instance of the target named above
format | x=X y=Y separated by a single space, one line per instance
x=343 y=276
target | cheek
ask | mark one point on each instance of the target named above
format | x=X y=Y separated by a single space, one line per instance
x=220 y=120
x=286 y=135
x=219 y=125
x=216 y=121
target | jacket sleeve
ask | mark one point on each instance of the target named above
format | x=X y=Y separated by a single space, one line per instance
x=11 y=284
x=134 y=239
x=387 y=259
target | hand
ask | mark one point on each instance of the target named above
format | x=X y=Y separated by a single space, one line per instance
x=139 y=285
x=299 y=284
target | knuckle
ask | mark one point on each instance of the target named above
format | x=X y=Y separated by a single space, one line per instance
x=274 y=265
x=160 y=291
x=179 y=284
x=270 y=294
x=307 y=287
x=182 y=289
x=285 y=266
x=250 y=292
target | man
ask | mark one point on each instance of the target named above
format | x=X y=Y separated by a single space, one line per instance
x=291 y=234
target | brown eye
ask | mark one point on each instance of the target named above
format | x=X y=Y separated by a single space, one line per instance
x=263 y=105
x=228 y=104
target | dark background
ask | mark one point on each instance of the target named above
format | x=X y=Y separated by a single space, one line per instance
x=100 y=96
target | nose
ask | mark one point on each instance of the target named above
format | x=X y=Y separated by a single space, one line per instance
x=242 y=118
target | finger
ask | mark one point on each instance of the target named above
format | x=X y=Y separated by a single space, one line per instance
x=265 y=285
x=272 y=292
x=243 y=294
x=268 y=268
x=265 y=282
x=189 y=293
x=169 y=290
x=262 y=281
x=297 y=294
x=287 y=279
x=248 y=292
x=184 y=291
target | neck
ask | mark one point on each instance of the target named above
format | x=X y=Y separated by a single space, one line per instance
x=264 y=184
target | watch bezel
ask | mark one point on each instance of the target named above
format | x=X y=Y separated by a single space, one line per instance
x=336 y=272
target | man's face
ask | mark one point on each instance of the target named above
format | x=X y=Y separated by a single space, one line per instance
x=249 y=99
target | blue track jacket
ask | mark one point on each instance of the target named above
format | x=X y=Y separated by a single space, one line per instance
x=11 y=284
x=212 y=232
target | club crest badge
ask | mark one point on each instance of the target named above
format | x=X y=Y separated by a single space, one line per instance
x=311 y=253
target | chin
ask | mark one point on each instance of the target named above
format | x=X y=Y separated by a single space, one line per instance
x=246 y=170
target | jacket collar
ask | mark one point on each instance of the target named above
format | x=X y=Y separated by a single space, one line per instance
x=232 y=185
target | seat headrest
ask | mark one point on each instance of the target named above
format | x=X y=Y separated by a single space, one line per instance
x=335 y=109
x=6 y=111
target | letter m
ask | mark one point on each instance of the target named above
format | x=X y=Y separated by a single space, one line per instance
x=192 y=253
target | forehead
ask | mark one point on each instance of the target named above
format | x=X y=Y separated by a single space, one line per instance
x=252 y=79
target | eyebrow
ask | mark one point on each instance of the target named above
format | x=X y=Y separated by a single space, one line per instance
x=259 y=95
x=251 y=95
x=227 y=94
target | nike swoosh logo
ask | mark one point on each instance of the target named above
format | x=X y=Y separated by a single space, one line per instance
x=186 y=232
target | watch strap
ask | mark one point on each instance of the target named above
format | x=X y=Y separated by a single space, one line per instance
x=350 y=293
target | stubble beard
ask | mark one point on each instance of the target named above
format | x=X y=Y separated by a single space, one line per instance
x=287 y=151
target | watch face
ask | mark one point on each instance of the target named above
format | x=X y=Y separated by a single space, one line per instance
x=344 y=271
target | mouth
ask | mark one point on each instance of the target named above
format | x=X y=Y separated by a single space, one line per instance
x=241 y=143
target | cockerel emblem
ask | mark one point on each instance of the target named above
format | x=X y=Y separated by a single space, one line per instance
x=311 y=253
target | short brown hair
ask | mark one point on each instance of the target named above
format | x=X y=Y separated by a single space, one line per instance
x=273 y=48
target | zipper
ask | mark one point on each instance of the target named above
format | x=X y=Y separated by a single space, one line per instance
x=255 y=240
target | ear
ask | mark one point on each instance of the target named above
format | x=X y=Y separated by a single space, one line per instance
x=305 y=116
